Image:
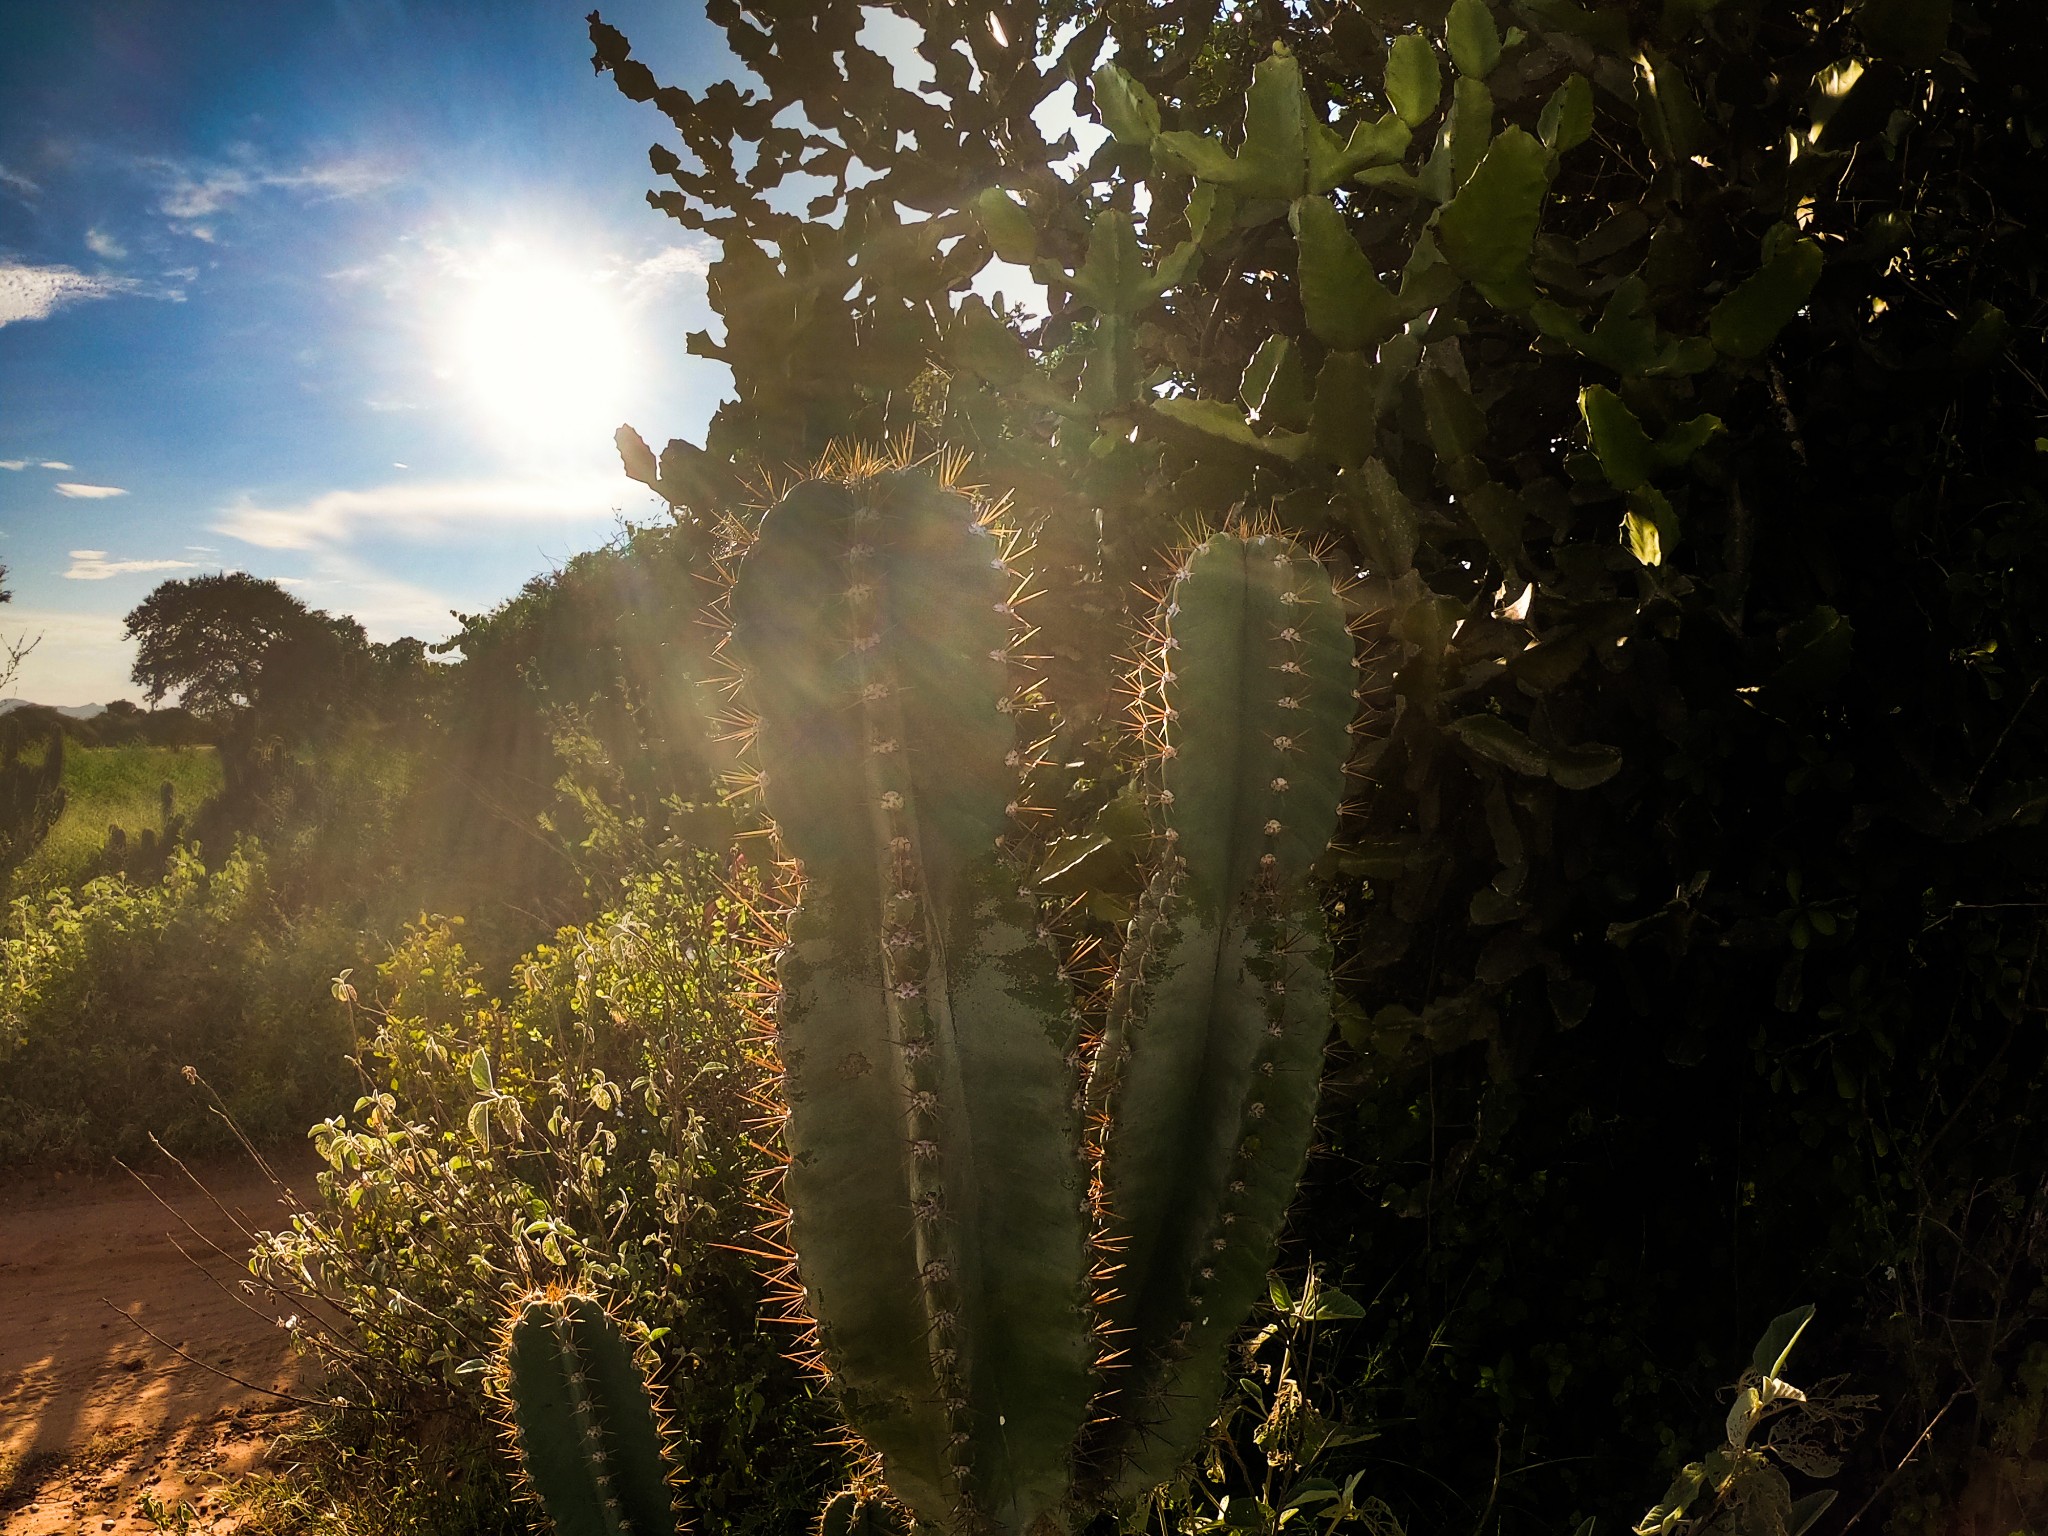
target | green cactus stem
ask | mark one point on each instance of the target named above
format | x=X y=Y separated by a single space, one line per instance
x=584 y=1427
x=1205 y=1082
x=935 y=1183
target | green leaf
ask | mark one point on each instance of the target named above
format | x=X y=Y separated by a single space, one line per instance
x=1567 y=118
x=1623 y=447
x=1275 y=385
x=1472 y=37
x=480 y=1123
x=1007 y=225
x=1747 y=321
x=1456 y=425
x=1373 y=143
x=1585 y=766
x=1807 y=1510
x=1492 y=738
x=1220 y=419
x=1604 y=26
x=1333 y=1305
x=1816 y=652
x=1128 y=110
x=480 y=1073
x=1461 y=139
x=1775 y=1347
x=1649 y=525
x=1486 y=230
x=1113 y=278
x=1390 y=529
x=1415 y=82
x=1685 y=440
x=1342 y=298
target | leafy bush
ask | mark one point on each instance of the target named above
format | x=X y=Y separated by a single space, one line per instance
x=109 y=993
x=593 y=1128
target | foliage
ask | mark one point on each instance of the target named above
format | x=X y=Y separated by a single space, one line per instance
x=232 y=642
x=32 y=797
x=124 y=787
x=110 y=995
x=589 y=1130
x=1672 y=375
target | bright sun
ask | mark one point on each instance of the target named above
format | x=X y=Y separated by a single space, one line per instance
x=540 y=349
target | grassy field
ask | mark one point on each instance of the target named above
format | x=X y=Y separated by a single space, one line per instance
x=118 y=787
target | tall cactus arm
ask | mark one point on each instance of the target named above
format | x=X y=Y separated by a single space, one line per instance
x=584 y=1426
x=1206 y=1079
x=934 y=1181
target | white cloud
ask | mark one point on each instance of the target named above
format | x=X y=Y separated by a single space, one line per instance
x=104 y=245
x=53 y=464
x=13 y=463
x=420 y=510
x=88 y=492
x=663 y=270
x=18 y=184
x=36 y=293
x=196 y=191
x=93 y=565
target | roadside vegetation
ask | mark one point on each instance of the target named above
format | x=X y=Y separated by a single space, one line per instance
x=1663 y=385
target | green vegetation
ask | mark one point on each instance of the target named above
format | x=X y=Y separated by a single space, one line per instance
x=109 y=787
x=1660 y=390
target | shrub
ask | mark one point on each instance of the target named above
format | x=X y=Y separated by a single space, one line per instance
x=106 y=994
x=592 y=1128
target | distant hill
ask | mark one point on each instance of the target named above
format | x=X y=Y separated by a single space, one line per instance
x=75 y=711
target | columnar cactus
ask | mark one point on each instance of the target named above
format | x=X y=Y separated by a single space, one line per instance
x=1028 y=1322
x=935 y=1181
x=584 y=1428
x=1205 y=1082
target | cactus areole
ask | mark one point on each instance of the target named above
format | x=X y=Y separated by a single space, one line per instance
x=1026 y=1318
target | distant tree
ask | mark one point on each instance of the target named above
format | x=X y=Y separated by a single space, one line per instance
x=233 y=643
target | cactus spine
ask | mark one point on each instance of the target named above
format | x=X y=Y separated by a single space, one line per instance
x=583 y=1426
x=1204 y=1086
x=935 y=1181
x=939 y=1184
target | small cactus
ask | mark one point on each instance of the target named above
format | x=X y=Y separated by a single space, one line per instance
x=583 y=1426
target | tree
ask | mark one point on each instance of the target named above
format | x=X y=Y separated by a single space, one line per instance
x=1670 y=377
x=234 y=643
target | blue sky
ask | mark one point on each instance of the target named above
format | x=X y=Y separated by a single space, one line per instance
x=346 y=293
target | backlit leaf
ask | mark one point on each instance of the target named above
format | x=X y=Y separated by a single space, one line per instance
x=1747 y=321
x=1127 y=108
x=1472 y=37
x=1414 y=80
x=1486 y=230
x=1342 y=298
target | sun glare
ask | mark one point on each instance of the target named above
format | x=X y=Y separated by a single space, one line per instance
x=540 y=349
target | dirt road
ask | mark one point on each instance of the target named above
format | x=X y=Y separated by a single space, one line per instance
x=97 y=1419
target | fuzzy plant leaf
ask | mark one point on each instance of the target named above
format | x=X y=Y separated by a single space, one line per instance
x=1342 y=298
x=1748 y=320
x=1486 y=230
x=1415 y=82
x=1128 y=110
x=1472 y=38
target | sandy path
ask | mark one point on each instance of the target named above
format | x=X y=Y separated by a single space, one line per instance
x=93 y=1414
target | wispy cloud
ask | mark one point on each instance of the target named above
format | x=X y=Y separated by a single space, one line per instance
x=663 y=270
x=94 y=565
x=18 y=184
x=79 y=492
x=420 y=510
x=195 y=192
x=104 y=245
x=53 y=464
x=13 y=463
x=35 y=293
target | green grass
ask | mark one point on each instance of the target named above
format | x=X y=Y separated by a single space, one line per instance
x=117 y=787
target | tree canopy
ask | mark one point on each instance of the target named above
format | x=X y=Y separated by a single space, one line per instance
x=1668 y=376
